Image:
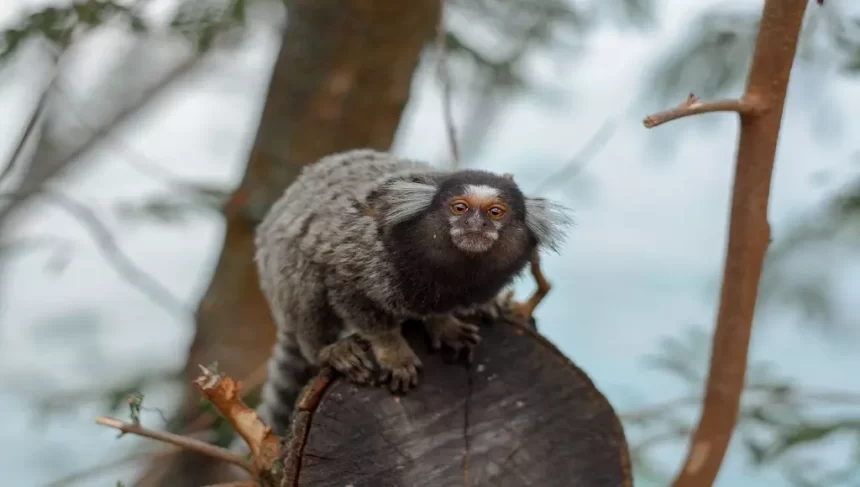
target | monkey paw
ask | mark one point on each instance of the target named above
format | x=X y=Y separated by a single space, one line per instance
x=350 y=357
x=399 y=366
x=456 y=334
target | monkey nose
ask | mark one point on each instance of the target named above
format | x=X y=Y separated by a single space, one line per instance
x=477 y=224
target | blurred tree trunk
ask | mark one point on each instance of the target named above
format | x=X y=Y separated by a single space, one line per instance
x=341 y=81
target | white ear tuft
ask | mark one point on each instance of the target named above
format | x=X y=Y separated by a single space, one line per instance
x=401 y=199
x=548 y=221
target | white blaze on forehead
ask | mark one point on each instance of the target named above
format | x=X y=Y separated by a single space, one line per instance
x=482 y=191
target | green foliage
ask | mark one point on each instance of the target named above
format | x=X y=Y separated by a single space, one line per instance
x=135 y=403
x=58 y=24
x=199 y=22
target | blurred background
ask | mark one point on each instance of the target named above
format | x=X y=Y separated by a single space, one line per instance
x=140 y=142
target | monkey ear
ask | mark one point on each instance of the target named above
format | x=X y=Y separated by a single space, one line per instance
x=400 y=199
x=548 y=221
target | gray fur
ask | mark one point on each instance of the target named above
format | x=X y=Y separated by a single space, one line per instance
x=404 y=199
x=325 y=270
x=547 y=220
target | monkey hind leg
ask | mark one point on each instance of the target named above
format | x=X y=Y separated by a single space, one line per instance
x=318 y=332
x=288 y=374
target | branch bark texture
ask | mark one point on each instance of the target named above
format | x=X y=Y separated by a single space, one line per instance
x=749 y=233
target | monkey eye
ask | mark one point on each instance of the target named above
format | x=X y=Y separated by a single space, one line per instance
x=496 y=211
x=459 y=207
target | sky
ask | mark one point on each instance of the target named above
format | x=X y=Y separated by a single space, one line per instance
x=642 y=263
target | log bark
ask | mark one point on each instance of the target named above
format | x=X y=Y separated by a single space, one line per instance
x=521 y=415
x=341 y=81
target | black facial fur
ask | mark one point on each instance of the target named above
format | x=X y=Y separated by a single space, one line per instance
x=434 y=275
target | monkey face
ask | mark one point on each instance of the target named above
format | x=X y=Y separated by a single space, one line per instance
x=459 y=217
x=475 y=218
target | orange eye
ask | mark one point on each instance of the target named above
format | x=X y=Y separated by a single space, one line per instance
x=496 y=212
x=459 y=207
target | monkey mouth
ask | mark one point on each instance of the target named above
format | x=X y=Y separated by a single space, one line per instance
x=473 y=242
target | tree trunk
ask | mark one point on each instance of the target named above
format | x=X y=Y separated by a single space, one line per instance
x=521 y=414
x=340 y=81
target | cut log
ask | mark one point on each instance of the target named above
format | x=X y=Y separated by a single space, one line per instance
x=521 y=415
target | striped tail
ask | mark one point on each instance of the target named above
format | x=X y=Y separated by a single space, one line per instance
x=288 y=374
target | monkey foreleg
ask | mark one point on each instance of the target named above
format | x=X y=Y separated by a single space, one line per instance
x=350 y=357
x=451 y=331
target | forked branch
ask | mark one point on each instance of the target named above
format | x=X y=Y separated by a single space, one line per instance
x=182 y=441
x=760 y=111
x=749 y=105
x=224 y=394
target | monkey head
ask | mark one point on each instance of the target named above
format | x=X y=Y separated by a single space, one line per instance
x=475 y=213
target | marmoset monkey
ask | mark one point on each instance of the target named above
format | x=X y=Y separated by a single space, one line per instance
x=362 y=241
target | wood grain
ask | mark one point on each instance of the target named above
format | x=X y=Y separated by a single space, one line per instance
x=521 y=415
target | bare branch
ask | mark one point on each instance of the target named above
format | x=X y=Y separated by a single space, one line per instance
x=791 y=397
x=526 y=310
x=749 y=236
x=135 y=158
x=178 y=440
x=49 y=169
x=124 y=265
x=15 y=157
x=445 y=80
x=38 y=110
x=585 y=155
x=748 y=105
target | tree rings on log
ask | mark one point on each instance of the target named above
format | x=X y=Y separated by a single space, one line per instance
x=521 y=414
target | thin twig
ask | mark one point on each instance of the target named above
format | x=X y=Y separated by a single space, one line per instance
x=829 y=397
x=693 y=106
x=38 y=110
x=445 y=80
x=134 y=157
x=123 y=264
x=581 y=159
x=543 y=286
x=15 y=157
x=178 y=440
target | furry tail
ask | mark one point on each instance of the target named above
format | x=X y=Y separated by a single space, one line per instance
x=288 y=374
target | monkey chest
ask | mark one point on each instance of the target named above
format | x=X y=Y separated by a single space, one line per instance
x=436 y=296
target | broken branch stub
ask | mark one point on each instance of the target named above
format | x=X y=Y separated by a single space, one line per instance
x=224 y=394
